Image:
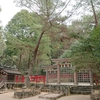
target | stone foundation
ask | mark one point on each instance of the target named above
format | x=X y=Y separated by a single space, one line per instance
x=25 y=93
x=60 y=89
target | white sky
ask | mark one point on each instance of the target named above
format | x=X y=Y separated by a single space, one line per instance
x=8 y=11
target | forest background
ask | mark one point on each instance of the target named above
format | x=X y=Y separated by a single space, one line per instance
x=48 y=29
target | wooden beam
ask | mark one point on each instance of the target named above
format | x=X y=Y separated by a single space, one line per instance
x=61 y=60
x=52 y=66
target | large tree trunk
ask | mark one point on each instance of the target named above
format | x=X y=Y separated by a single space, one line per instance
x=27 y=79
x=94 y=13
x=37 y=46
x=20 y=58
x=29 y=61
x=35 y=53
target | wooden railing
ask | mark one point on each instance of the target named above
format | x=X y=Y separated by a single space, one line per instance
x=2 y=84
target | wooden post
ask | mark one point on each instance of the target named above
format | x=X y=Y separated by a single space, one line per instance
x=91 y=76
x=75 y=78
x=58 y=74
x=46 y=75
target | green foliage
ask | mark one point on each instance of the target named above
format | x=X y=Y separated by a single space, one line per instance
x=53 y=26
x=2 y=44
x=86 y=52
x=25 y=24
x=66 y=54
x=21 y=34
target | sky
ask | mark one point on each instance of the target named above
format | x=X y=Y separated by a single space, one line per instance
x=8 y=11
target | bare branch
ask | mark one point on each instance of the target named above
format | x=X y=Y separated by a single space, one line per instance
x=54 y=8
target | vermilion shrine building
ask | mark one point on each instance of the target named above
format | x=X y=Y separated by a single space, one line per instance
x=63 y=73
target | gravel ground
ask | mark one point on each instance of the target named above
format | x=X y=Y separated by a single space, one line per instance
x=9 y=96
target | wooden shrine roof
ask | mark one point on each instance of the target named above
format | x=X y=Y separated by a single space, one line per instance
x=58 y=62
x=11 y=71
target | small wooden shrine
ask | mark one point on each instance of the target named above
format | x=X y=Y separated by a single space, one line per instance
x=8 y=74
x=62 y=72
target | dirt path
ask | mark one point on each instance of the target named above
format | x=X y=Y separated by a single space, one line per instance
x=75 y=97
x=9 y=96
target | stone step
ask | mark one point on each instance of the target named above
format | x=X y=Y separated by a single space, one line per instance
x=51 y=96
x=81 y=90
